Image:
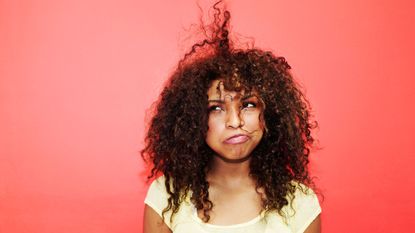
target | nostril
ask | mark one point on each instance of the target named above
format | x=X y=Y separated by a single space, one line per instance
x=234 y=120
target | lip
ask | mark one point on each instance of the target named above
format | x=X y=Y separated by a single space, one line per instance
x=237 y=139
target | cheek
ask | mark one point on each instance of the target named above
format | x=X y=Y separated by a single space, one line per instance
x=253 y=121
x=215 y=127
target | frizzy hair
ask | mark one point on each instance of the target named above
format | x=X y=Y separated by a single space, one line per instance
x=175 y=141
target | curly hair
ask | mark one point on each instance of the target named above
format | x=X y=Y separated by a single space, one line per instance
x=175 y=142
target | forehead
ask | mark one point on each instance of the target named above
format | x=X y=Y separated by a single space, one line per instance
x=217 y=91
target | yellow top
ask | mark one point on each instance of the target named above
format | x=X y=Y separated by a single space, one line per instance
x=306 y=207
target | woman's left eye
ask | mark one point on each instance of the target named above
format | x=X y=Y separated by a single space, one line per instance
x=248 y=105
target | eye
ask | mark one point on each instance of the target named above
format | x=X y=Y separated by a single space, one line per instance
x=248 y=105
x=215 y=108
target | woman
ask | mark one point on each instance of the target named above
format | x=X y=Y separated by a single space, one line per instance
x=230 y=137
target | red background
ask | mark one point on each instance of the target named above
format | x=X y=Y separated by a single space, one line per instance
x=77 y=76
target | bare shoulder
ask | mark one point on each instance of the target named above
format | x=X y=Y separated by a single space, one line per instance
x=153 y=223
x=315 y=226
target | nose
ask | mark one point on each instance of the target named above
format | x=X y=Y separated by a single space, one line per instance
x=233 y=118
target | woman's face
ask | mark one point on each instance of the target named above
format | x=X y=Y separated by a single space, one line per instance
x=235 y=125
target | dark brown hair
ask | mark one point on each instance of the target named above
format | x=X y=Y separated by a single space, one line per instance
x=175 y=142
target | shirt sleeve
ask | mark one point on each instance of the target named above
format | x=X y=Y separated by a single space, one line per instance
x=307 y=208
x=157 y=197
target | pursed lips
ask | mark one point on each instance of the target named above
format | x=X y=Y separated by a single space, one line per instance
x=237 y=139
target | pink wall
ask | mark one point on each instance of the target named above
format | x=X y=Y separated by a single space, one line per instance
x=77 y=76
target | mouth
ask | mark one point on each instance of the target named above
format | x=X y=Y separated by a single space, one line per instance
x=237 y=139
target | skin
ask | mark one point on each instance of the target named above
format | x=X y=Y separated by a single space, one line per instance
x=230 y=185
x=233 y=113
x=153 y=223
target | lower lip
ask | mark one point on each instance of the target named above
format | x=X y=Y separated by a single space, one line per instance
x=237 y=140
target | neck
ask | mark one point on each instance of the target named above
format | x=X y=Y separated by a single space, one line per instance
x=229 y=172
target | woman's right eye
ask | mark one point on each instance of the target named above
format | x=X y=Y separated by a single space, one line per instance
x=214 y=108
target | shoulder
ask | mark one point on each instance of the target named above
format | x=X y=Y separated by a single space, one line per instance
x=157 y=198
x=158 y=184
x=157 y=195
x=303 y=192
x=303 y=207
x=156 y=201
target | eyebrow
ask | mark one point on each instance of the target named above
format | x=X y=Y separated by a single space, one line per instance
x=242 y=99
x=247 y=97
x=216 y=101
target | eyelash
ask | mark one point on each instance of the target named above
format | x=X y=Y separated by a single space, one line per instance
x=214 y=108
x=244 y=105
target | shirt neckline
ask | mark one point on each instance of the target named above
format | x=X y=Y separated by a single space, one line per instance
x=243 y=224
